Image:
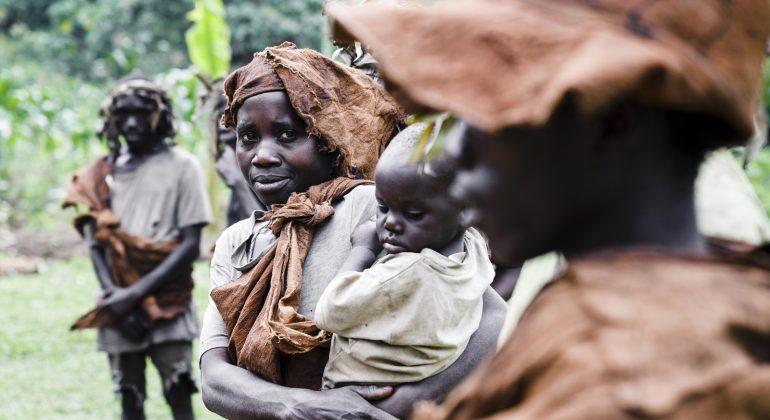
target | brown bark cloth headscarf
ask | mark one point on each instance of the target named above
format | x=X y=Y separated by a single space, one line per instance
x=633 y=335
x=349 y=113
x=341 y=106
x=501 y=63
x=131 y=256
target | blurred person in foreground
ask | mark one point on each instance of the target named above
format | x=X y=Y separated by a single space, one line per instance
x=147 y=205
x=584 y=124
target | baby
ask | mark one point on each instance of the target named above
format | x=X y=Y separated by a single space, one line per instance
x=410 y=314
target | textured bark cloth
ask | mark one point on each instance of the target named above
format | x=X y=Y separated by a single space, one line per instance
x=500 y=63
x=341 y=106
x=131 y=256
x=633 y=334
x=260 y=308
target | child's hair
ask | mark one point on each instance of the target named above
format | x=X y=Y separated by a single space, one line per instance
x=400 y=152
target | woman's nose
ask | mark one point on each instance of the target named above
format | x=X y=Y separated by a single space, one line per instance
x=266 y=155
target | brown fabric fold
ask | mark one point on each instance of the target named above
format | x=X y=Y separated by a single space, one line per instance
x=260 y=308
x=344 y=108
x=131 y=256
x=250 y=80
x=633 y=334
x=501 y=63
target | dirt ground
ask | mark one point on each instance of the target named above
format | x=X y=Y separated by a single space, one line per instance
x=26 y=250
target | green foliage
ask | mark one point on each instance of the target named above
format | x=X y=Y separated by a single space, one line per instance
x=208 y=41
x=430 y=145
x=46 y=127
x=106 y=39
x=271 y=22
x=759 y=175
x=102 y=39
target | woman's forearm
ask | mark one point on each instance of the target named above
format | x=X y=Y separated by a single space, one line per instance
x=235 y=393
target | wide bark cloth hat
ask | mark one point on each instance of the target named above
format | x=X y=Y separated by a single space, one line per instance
x=341 y=106
x=506 y=63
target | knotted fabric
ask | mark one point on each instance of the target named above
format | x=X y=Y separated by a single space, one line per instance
x=131 y=256
x=260 y=309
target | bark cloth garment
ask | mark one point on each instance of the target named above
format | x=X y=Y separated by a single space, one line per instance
x=131 y=256
x=633 y=334
x=260 y=308
x=501 y=63
x=342 y=106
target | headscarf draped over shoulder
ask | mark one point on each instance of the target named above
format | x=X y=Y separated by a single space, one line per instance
x=346 y=110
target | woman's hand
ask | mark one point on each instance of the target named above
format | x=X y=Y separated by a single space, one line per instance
x=236 y=393
x=350 y=402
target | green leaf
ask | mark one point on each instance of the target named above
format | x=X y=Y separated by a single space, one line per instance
x=430 y=145
x=208 y=40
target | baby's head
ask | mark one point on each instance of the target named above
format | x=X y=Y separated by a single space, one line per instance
x=414 y=210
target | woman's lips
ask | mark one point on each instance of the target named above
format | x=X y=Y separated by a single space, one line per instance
x=270 y=184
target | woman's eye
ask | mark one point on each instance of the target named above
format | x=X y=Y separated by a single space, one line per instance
x=414 y=215
x=288 y=135
x=382 y=208
x=247 y=137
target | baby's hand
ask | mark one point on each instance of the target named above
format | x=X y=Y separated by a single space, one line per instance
x=365 y=235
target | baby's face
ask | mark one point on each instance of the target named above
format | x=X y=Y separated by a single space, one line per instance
x=413 y=211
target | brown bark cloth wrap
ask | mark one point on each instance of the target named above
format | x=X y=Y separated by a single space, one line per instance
x=345 y=109
x=501 y=63
x=633 y=334
x=131 y=256
x=260 y=308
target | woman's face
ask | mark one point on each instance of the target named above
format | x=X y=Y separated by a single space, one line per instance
x=276 y=155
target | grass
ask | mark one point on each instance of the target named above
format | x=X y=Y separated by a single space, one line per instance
x=48 y=372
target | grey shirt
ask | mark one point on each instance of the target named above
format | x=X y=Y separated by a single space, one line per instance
x=165 y=193
x=242 y=244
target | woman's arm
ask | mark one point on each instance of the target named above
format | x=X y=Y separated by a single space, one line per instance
x=435 y=388
x=236 y=393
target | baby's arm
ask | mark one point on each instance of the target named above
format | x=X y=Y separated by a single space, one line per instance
x=366 y=246
x=343 y=296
